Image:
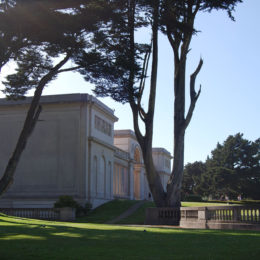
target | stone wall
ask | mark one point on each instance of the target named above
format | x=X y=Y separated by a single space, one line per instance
x=51 y=165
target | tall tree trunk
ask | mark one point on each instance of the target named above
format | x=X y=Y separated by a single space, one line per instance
x=145 y=141
x=153 y=178
x=174 y=184
x=180 y=124
x=29 y=124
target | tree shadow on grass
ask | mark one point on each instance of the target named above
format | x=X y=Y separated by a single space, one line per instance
x=50 y=240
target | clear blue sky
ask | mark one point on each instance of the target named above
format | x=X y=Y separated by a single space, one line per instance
x=230 y=79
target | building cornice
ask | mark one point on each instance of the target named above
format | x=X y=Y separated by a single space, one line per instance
x=62 y=99
x=126 y=133
x=96 y=140
x=160 y=150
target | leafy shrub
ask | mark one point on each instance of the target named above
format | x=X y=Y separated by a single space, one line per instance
x=83 y=211
x=88 y=206
x=192 y=198
x=66 y=201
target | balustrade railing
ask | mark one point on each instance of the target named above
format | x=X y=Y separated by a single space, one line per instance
x=245 y=214
x=122 y=154
x=221 y=217
x=39 y=213
x=162 y=216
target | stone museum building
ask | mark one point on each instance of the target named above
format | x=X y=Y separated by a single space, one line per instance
x=74 y=150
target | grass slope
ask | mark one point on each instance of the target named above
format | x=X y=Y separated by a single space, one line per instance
x=35 y=239
x=107 y=211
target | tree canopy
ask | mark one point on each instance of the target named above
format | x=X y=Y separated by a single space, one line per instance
x=233 y=169
x=41 y=41
x=99 y=37
x=126 y=71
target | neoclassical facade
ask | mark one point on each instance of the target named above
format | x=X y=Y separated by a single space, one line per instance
x=74 y=150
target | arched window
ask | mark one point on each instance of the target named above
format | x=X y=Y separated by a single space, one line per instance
x=101 y=178
x=94 y=177
x=114 y=178
x=108 y=180
x=122 y=178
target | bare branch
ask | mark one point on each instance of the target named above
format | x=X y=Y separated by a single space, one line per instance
x=144 y=74
x=193 y=95
x=135 y=111
x=142 y=114
x=174 y=45
x=69 y=69
x=193 y=79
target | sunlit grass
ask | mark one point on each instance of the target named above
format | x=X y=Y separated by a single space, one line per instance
x=19 y=237
x=201 y=204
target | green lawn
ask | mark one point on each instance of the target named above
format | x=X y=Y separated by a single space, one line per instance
x=35 y=239
x=202 y=204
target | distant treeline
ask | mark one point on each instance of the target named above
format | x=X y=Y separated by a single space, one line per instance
x=231 y=172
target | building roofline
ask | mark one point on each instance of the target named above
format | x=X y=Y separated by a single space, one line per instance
x=124 y=133
x=162 y=150
x=61 y=99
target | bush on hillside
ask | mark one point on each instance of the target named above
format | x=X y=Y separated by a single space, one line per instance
x=68 y=201
x=192 y=198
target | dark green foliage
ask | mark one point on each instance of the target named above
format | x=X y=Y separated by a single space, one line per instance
x=66 y=201
x=192 y=198
x=83 y=211
x=192 y=177
x=32 y=65
x=237 y=163
x=233 y=169
x=36 y=41
x=118 y=62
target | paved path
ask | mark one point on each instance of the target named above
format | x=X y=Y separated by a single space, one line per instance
x=127 y=213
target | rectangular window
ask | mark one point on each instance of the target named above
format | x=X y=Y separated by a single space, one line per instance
x=103 y=126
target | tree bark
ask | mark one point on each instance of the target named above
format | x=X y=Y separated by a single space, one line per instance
x=145 y=140
x=28 y=127
x=174 y=184
x=180 y=124
x=153 y=177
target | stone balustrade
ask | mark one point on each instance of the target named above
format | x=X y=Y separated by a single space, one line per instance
x=221 y=217
x=63 y=214
x=121 y=154
x=162 y=216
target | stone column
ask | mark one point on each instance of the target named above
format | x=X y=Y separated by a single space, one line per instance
x=131 y=180
x=142 y=183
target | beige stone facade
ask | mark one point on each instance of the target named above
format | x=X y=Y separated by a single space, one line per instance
x=75 y=151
